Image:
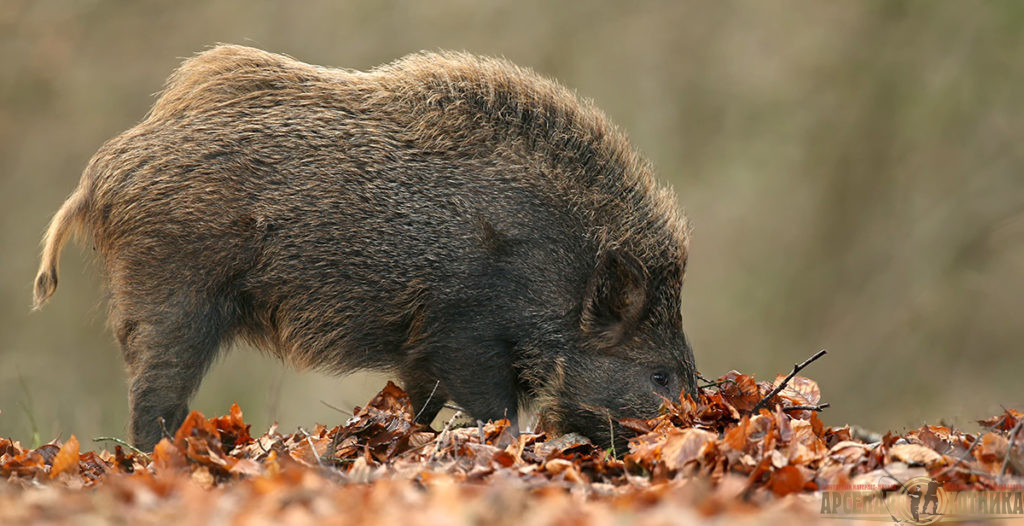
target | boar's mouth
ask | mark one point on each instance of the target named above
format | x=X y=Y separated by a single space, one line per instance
x=596 y=423
x=599 y=424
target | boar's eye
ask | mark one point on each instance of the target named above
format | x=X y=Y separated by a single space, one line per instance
x=660 y=378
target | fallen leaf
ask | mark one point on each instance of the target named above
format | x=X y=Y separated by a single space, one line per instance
x=66 y=460
x=786 y=480
x=914 y=454
x=685 y=446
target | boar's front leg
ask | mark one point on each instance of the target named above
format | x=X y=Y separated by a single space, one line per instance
x=425 y=392
x=167 y=350
x=480 y=377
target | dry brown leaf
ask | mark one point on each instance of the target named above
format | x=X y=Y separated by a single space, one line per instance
x=992 y=448
x=914 y=454
x=66 y=460
x=684 y=446
x=786 y=480
x=800 y=390
x=167 y=457
x=849 y=451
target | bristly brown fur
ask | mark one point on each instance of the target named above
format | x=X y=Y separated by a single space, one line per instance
x=459 y=220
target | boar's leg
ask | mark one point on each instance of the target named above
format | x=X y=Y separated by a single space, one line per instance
x=425 y=393
x=167 y=351
x=480 y=378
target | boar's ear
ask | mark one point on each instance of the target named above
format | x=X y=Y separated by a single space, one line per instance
x=615 y=297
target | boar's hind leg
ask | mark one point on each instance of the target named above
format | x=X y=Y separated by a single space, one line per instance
x=167 y=351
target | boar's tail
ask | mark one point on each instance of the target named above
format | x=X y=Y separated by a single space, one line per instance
x=68 y=220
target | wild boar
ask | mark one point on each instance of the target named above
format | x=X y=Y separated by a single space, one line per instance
x=466 y=224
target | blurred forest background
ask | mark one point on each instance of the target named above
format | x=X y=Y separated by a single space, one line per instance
x=853 y=171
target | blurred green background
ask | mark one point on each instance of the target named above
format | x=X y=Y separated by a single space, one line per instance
x=853 y=171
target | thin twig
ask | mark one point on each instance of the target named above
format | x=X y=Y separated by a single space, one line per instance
x=163 y=427
x=410 y=451
x=455 y=407
x=312 y=448
x=1009 y=446
x=27 y=409
x=898 y=481
x=444 y=432
x=960 y=460
x=336 y=408
x=425 y=404
x=796 y=369
x=333 y=448
x=819 y=407
x=717 y=384
x=611 y=432
x=983 y=474
x=120 y=442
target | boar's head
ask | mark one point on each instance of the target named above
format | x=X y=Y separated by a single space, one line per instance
x=631 y=354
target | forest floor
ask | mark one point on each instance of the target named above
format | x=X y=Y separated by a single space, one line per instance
x=717 y=459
